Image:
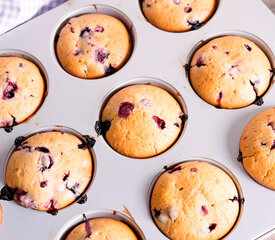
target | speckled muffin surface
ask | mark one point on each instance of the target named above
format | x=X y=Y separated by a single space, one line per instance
x=48 y=171
x=194 y=200
x=230 y=72
x=178 y=15
x=144 y=120
x=93 y=45
x=102 y=228
x=21 y=90
x=257 y=146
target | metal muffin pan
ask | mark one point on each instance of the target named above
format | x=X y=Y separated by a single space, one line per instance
x=212 y=162
x=103 y=213
x=60 y=129
x=74 y=102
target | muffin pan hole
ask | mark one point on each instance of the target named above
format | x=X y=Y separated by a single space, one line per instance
x=173 y=167
x=105 y=213
x=260 y=43
x=96 y=9
x=191 y=21
x=42 y=70
x=102 y=127
x=86 y=143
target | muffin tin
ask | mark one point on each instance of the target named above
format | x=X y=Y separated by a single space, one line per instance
x=76 y=103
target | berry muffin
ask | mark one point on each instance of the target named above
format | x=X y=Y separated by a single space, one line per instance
x=48 y=171
x=21 y=88
x=230 y=72
x=102 y=228
x=257 y=148
x=178 y=15
x=141 y=121
x=93 y=45
x=195 y=200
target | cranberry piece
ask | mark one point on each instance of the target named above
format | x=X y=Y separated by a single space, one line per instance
x=7 y=193
x=195 y=25
x=8 y=127
x=21 y=65
x=187 y=9
x=109 y=70
x=88 y=228
x=47 y=162
x=201 y=61
x=66 y=175
x=43 y=184
x=214 y=47
x=18 y=141
x=102 y=127
x=273 y=145
x=76 y=52
x=51 y=207
x=99 y=29
x=212 y=226
x=90 y=140
x=226 y=52
x=10 y=90
x=73 y=189
x=85 y=32
x=125 y=109
x=22 y=198
x=193 y=169
x=219 y=100
x=240 y=157
x=237 y=199
x=271 y=124
x=254 y=88
x=148 y=5
x=42 y=149
x=160 y=122
x=204 y=210
x=101 y=55
x=83 y=199
x=248 y=47
x=157 y=212
x=178 y=168
x=177 y=2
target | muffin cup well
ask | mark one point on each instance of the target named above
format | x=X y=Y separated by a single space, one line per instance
x=82 y=198
x=99 y=9
x=212 y=162
x=42 y=70
x=259 y=42
x=104 y=213
x=218 y=3
x=150 y=81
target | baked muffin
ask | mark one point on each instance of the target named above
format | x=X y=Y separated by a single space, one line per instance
x=194 y=200
x=21 y=88
x=93 y=45
x=257 y=148
x=178 y=15
x=230 y=72
x=49 y=170
x=102 y=228
x=142 y=121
